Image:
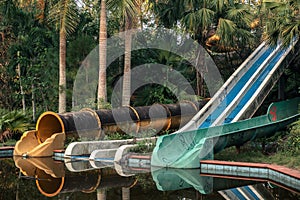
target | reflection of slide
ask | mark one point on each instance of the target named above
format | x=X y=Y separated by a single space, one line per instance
x=52 y=179
x=237 y=99
x=168 y=179
x=176 y=179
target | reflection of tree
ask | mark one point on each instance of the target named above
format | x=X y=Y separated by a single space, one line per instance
x=8 y=181
x=101 y=194
x=144 y=183
x=125 y=193
x=13 y=187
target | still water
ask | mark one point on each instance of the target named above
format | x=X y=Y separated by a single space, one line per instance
x=46 y=178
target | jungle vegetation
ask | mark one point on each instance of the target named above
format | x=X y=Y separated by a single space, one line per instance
x=43 y=44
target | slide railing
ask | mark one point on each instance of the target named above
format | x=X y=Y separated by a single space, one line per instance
x=242 y=94
x=226 y=93
x=257 y=88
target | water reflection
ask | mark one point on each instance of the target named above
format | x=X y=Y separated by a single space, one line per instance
x=52 y=179
x=176 y=179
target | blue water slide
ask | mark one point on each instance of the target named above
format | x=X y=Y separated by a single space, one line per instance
x=250 y=88
x=236 y=89
x=250 y=92
x=222 y=98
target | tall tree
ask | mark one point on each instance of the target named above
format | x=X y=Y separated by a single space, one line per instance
x=102 y=93
x=65 y=14
x=127 y=11
x=228 y=21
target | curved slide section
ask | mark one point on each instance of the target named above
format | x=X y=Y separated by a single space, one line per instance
x=186 y=149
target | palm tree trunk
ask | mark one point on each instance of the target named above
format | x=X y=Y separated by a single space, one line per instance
x=62 y=73
x=33 y=102
x=127 y=66
x=125 y=193
x=200 y=72
x=102 y=97
x=101 y=194
x=21 y=86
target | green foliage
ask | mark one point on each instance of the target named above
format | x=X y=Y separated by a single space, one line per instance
x=37 y=43
x=282 y=22
x=144 y=146
x=13 y=124
x=283 y=149
x=154 y=94
x=117 y=136
x=290 y=143
x=125 y=9
x=104 y=105
x=64 y=14
x=168 y=91
x=230 y=21
x=29 y=49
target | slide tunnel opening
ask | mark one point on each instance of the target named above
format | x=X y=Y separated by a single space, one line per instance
x=48 y=124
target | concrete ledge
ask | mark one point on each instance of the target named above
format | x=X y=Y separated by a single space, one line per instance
x=87 y=147
x=279 y=175
x=122 y=151
x=104 y=163
x=6 y=152
x=78 y=166
x=103 y=154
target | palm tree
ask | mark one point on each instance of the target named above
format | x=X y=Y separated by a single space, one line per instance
x=65 y=14
x=102 y=94
x=126 y=10
x=283 y=21
x=127 y=65
x=226 y=20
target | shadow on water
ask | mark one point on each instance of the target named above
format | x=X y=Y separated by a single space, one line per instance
x=46 y=178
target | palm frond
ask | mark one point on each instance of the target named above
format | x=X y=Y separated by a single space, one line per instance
x=65 y=15
x=226 y=30
x=15 y=122
x=289 y=32
x=274 y=5
x=123 y=8
x=241 y=13
x=283 y=21
x=206 y=17
x=203 y=18
x=221 y=4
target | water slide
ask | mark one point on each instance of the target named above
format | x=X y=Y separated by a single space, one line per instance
x=237 y=99
x=52 y=129
x=242 y=94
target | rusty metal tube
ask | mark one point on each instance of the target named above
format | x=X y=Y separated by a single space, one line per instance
x=93 y=124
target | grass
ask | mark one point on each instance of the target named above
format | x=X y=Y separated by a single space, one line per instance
x=284 y=149
x=9 y=142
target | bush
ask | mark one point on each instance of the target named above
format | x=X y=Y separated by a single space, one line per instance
x=13 y=124
x=290 y=144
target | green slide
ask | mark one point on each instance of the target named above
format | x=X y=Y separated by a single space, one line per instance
x=186 y=149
